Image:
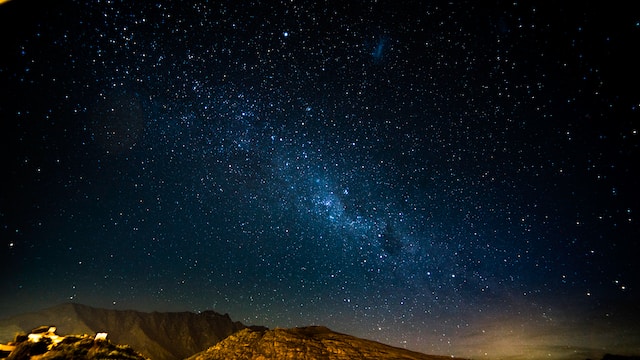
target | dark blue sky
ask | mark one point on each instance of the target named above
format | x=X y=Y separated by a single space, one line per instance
x=452 y=178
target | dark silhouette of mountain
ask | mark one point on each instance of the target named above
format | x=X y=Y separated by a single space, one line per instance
x=178 y=335
x=306 y=343
x=159 y=336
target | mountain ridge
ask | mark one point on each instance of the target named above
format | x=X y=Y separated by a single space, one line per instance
x=157 y=335
x=186 y=335
x=305 y=343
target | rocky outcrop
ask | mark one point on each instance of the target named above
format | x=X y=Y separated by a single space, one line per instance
x=51 y=346
x=305 y=343
x=159 y=336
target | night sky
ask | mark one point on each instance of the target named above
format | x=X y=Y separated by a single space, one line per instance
x=456 y=178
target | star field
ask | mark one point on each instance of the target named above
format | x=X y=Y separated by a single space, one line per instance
x=454 y=178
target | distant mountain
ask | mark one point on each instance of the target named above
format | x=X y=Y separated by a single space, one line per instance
x=306 y=343
x=159 y=336
x=178 y=335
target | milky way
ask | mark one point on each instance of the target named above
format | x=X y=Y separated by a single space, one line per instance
x=452 y=178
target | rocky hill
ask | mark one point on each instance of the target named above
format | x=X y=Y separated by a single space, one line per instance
x=159 y=336
x=49 y=346
x=307 y=343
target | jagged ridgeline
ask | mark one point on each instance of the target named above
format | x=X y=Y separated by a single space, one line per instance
x=81 y=332
x=175 y=336
x=158 y=336
x=44 y=344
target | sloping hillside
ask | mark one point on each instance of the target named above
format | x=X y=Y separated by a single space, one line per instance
x=307 y=343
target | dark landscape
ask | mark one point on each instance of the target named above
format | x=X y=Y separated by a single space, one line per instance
x=208 y=335
x=204 y=336
x=160 y=336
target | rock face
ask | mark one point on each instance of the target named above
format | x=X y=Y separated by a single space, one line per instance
x=315 y=342
x=159 y=336
x=50 y=346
